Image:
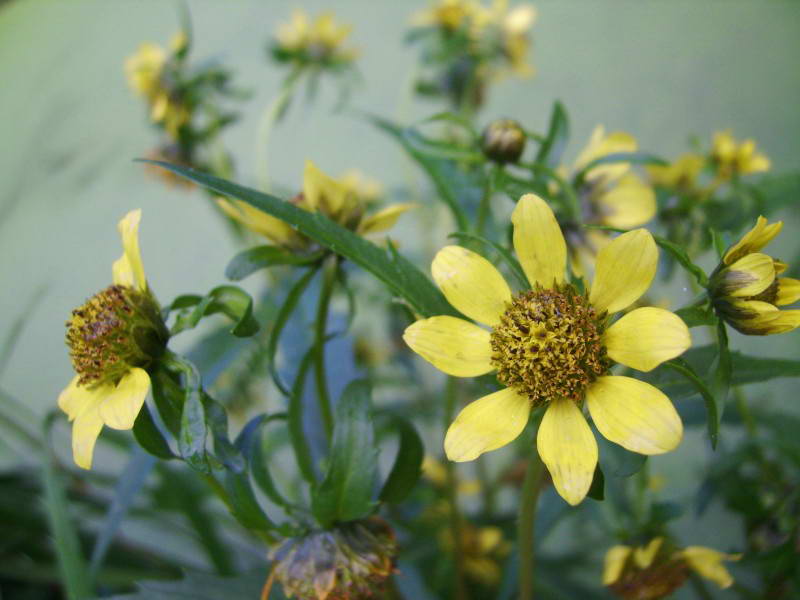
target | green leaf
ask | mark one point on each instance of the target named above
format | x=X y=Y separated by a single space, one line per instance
x=616 y=461
x=297 y=435
x=217 y=423
x=722 y=370
x=229 y=300
x=450 y=181
x=251 y=260
x=192 y=434
x=597 y=490
x=407 y=466
x=168 y=397
x=557 y=136
x=71 y=562
x=149 y=437
x=346 y=491
x=713 y=412
x=243 y=503
x=695 y=316
x=200 y=586
x=719 y=242
x=400 y=276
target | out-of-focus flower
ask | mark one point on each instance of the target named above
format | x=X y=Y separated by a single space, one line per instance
x=503 y=141
x=514 y=27
x=174 y=154
x=449 y=15
x=733 y=158
x=483 y=549
x=319 y=41
x=656 y=570
x=745 y=288
x=610 y=194
x=113 y=339
x=435 y=472
x=551 y=346
x=336 y=199
x=349 y=562
x=680 y=175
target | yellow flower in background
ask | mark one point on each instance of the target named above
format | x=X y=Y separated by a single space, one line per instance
x=745 y=288
x=143 y=69
x=680 y=175
x=611 y=195
x=551 y=347
x=339 y=200
x=736 y=158
x=319 y=40
x=515 y=26
x=450 y=15
x=483 y=550
x=113 y=338
x=658 y=569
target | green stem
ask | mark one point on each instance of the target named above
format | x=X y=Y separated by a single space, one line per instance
x=744 y=412
x=461 y=592
x=329 y=275
x=527 y=519
x=268 y=119
x=486 y=198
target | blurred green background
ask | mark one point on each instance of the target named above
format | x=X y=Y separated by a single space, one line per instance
x=69 y=129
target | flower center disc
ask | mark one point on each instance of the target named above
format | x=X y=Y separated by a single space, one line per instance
x=547 y=344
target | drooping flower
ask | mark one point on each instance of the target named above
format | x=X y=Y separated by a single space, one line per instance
x=319 y=41
x=552 y=347
x=745 y=288
x=610 y=194
x=349 y=562
x=113 y=339
x=339 y=200
x=656 y=570
x=733 y=158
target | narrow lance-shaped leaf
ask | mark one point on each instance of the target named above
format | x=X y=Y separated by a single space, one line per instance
x=149 y=437
x=229 y=300
x=400 y=276
x=557 y=136
x=722 y=370
x=712 y=407
x=407 y=466
x=346 y=492
x=254 y=259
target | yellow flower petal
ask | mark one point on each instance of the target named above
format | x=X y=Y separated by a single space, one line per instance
x=646 y=337
x=452 y=345
x=614 y=563
x=487 y=424
x=643 y=555
x=74 y=398
x=538 y=241
x=708 y=563
x=748 y=276
x=122 y=272
x=623 y=271
x=754 y=240
x=121 y=407
x=383 y=220
x=568 y=448
x=324 y=194
x=601 y=145
x=634 y=414
x=85 y=429
x=471 y=284
x=261 y=223
x=788 y=291
x=778 y=321
x=129 y=231
x=630 y=203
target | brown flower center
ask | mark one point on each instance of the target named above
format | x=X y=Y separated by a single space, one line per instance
x=547 y=344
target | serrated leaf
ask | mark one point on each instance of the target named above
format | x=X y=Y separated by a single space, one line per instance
x=347 y=490
x=400 y=276
x=407 y=466
x=254 y=259
x=229 y=300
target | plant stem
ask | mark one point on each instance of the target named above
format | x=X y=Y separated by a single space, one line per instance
x=485 y=205
x=329 y=275
x=527 y=518
x=268 y=119
x=456 y=529
x=744 y=412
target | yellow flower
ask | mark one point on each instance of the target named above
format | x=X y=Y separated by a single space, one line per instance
x=680 y=175
x=657 y=569
x=515 y=29
x=734 y=158
x=450 y=15
x=746 y=290
x=552 y=346
x=338 y=200
x=320 y=40
x=611 y=194
x=483 y=548
x=143 y=69
x=113 y=338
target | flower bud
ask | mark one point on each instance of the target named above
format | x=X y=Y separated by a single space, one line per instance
x=348 y=562
x=503 y=141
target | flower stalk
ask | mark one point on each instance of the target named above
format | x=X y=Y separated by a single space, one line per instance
x=529 y=498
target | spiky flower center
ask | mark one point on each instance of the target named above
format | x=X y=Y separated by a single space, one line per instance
x=115 y=330
x=547 y=344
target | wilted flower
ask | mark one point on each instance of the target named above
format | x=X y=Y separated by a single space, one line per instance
x=552 y=346
x=745 y=288
x=318 y=41
x=338 y=200
x=113 y=339
x=733 y=158
x=503 y=141
x=349 y=562
x=656 y=570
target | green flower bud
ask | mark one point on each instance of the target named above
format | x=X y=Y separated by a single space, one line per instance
x=503 y=141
